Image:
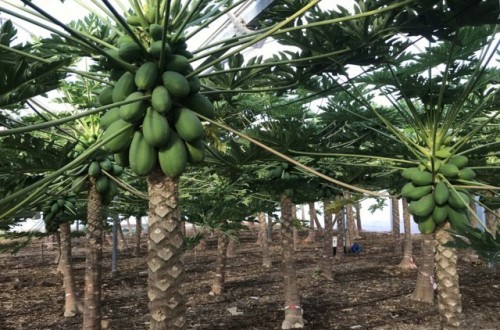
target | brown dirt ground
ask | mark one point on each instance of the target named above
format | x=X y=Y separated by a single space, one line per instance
x=368 y=291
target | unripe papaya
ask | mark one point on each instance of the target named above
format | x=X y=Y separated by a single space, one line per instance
x=173 y=157
x=178 y=63
x=146 y=76
x=421 y=178
x=444 y=152
x=130 y=51
x=156 y=31
x=133 y=20
x=427 y=227
x=441 y=193
x=199 y=104
x=466 y=174
x=449 y=170
x=419 y=192
x=106 y=165
x=440 y=213
x=124 y=87
x=187 y=125
x=459 y=161
x=142 y=155
x=161 y=100
x=422 y=207
x=407 y=172
x=194 y=84
x=458 y=218
x=155 y=128
x=117 y=170
x=121 y=158
x=94 y=169
x=133 y=112
x=155 y=49
x=121 y=141
x=406 y=189
x=101 y=184
x=78 y=183
x=458 y=199
x=196 y=151
x=106 y=95
x=109 y=117
x=176 y=84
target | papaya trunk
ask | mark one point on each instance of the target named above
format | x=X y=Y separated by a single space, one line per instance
x=293 y=310
x=93 y=254
x=449 y=298
x=264 y=246
x=349 y=215
x=270 y=228
x=407 y=261
x=357 y=208
x=138 y=234
x=220 y=263
x=424 y=289
x=72 y=304
x=231 y=247
x=327 y=258
x=122 y=242
x=311 y=237
x=396 y=235
x=340 y=235
x=166 y=273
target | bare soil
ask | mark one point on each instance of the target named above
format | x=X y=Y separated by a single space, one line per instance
x=368 y=290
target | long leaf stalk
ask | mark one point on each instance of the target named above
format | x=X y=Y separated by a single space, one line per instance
x=194 y=8
x=272 y=64
x=184 y=8
x=126 y=186
x=256 y=39
x=166 y=22
x=34 y=127
x=77 y=161
x=289 y=159
x=333 y=155
x=84 y=4
x=213 y=18
x=138 y=10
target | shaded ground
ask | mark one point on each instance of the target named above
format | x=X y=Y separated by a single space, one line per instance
x=368 y=291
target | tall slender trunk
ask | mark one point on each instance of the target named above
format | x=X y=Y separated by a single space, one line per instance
x=231 y=247
x=122 y=242
x=396 y=235
x=264 y=246
x=449 y=297
x=349 y=214
x=340 y=234
x=166 y=272
x=407 y=261
x=138 y=234
x=294 y=226
x=311 y=237
x=270 y=228
x=293 y=310
x=220 y=263
x=491 y=221
x=93 y=262
x=424 y=289
x=357 y=207
x=326 y=265
x=72 y=304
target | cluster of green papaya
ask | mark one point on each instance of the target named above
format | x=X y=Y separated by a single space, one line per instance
x=54 y=211
x=282 y=173
x=326 y=191
x=433 y=198
x=84 y=142
x=104 y=185
x=161 y=128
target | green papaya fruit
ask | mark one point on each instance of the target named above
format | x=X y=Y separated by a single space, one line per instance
x=440 y=213
x=422 y=207
x=142 y=155
x=194 y=84
x=115 y=74
x=156 y=31
x=133 y=20
x=117 y=170
x=146 y=76
x=101 y=184
x=459 y=161
x=176 y=84
x=406 y=173
x=109 y=117
x=449 y=170
x=188 y=125
x=418 y=192
x=441 y=193
x=130 y=51
x=124 y=87
x=106 y=95
x=421 y=178
x=78 y=184
x=196 y=151
x=467 y=174
x=133 y=112
x=173 y=157
x=199 y=104
x=161 y=100
x=155 y=49
x=427 y=227
x=458 y=199
x=155 y=128
x=178 y=63
x=122 y=140
x=106 y=165
x=458 y=218
x=121 y=158
x=94 y=169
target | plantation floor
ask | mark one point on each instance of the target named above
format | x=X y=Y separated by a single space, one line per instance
x=368 y=291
